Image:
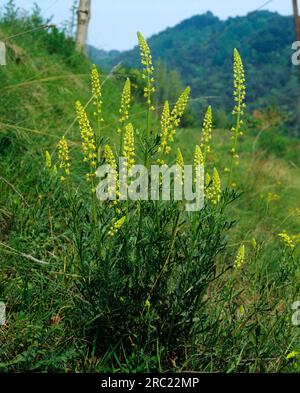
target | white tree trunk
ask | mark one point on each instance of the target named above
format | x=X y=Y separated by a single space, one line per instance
x=84 y=15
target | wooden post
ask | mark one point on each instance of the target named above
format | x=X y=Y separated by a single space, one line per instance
x=84 y=15
x=296 y=19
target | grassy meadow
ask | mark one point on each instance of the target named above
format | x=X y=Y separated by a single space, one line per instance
x=138 y=286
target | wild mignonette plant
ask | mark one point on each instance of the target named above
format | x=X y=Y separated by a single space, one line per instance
x=142 y=268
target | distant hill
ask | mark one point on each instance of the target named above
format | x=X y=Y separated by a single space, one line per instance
x=100 y=55
x=201 y=48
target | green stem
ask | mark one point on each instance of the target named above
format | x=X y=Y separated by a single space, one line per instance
x=175 y=230
x=148 y=122
x=237 y=128
x=98 y=130
x=121 y=142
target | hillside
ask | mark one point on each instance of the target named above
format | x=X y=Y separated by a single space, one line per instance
x=200 y=49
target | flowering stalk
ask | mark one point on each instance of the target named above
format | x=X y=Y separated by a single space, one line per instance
x=89 y=152
x=240 y=257
x=177 y=112
x=64 y=159
x=165 y=127
x=97 y=102
x=116 y=227
x=198 y=161
x=129 y=149
x=113 y=187
x=206 y=133
x=238 y=111
x=124 y=110
x=170 y=123
x=146 y=61
x=287 y=240
x=180 y=164
x=213 y=185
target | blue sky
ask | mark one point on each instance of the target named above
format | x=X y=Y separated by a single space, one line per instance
x=114 y=23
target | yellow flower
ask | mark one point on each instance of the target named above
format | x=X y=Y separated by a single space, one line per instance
x=165 y=128
x=109 y=157
x=48 y=161
x=238 y=110
x=272 y=197
x=180 y=163
x=239 y=84
x=64 y=160
x=111 y=161
x=293 y=355
x=240 y=257
x=88 y=140
x=125 y=103
x=116 y=227
x=146 y=61
x=177 y=113
x=96 y=91
x=128 y=149
x=198 y=158
x=213 y=192
x=207 y=131
x=198 y=161
x=239 y=98
x=286 y=239
x=254 y=243
x=170 y=122
x=147 y=304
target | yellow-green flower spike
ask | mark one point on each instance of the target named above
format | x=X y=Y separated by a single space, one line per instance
x=239 y=84
x=96 y=90
x=207 y=132
x=125 y=103
x=180 y=163
x=239 y=94
x=88 y=140
x=48 y=160
x=147 y=304
x=213 y=192
x=198 y=158
x=198 y=161
x=64 y=160
x=177 y=112
x=254 y=243
x=238 y=110
x=170 y=123
x=116 y=227
x=286 y=239
x=129 y=149
x=146 y=61
x=240 y=257
x=109 y=157
x=179 y=159
x=110 y=160
x=163 y=148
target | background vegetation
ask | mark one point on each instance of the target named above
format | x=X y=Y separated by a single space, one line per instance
x=198 y=48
